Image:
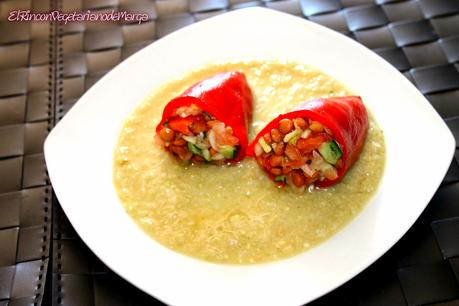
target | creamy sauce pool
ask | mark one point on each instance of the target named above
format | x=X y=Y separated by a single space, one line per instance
x=235 y=214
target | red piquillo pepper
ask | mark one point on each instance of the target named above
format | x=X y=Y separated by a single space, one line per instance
x=224 y=97
x=343 y=121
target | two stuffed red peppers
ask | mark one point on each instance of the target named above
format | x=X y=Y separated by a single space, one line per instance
x=209 y=122
x=315 y=144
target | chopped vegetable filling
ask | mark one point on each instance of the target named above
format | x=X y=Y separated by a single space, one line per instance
x=299 y=152
x=194 y=135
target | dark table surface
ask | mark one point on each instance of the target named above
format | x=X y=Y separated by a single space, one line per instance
x=46 y=66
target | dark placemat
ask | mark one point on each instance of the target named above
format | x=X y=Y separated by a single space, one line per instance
x=26 y=117
x=419 y=37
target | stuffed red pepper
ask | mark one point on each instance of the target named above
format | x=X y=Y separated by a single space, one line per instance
x=316 y=143
x=209 y=121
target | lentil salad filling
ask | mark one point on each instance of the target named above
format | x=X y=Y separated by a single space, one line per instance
x=299 y=152
x=193 y=135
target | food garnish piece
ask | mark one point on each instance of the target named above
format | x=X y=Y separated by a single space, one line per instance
x=330 y=151
x=209 y=121
x=315 y=144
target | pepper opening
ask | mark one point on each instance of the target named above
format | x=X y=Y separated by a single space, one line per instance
x=192 y=134
x=299 y=152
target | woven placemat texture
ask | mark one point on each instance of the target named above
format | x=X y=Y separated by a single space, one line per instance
x=26 y=117
x=419 y=37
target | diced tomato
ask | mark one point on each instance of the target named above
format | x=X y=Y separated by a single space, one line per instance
x=226 y=139
x=311 y=143
x=198 y=125
x=182 y=125
x=292 y=152
x=293 y=164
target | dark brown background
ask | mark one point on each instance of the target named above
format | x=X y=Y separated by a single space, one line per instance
x=46 y=67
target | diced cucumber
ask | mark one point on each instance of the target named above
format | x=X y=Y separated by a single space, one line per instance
x=191 y=139
x=280 y=178
x=206 y=154
x=293 y=134
x=227 y=151
x=330 y=151
x=266 y=147
x=294 y=140
x=194 y=149
x=202 y=145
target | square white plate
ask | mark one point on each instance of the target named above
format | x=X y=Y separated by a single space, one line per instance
x=79 y=155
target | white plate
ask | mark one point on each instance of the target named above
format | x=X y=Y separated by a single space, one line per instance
x=79 y=155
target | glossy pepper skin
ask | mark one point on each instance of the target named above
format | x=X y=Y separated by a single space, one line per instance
x=346 y=117
x=227 y=97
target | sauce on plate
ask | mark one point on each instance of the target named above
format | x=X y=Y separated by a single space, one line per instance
x=235 y=214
